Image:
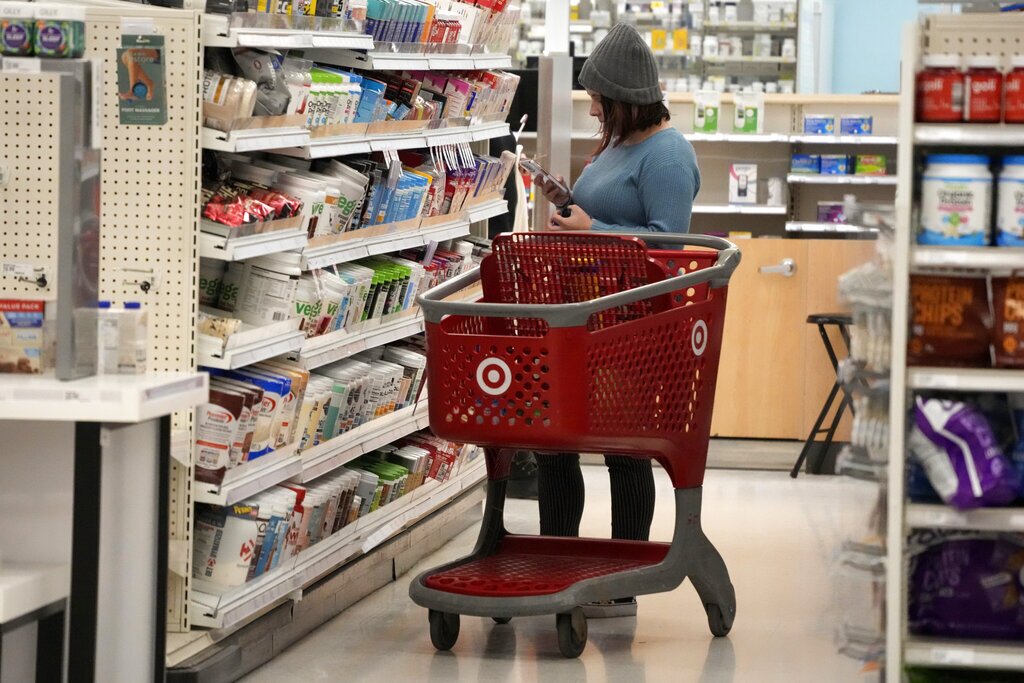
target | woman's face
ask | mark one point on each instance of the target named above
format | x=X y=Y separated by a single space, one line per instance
x=596 y=110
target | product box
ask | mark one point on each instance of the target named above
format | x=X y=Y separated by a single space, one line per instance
x=749 y=113
x=870 y=164
x=743 y=183
x=831 y=212
x=706 y=106
x=853 y=124
x=835 y=164
x=21 y=336
x=805 y=163
x=819 y=124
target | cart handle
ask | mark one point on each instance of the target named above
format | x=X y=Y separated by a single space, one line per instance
x=577 y=314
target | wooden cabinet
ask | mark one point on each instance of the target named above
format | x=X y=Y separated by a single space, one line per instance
x=774 y=373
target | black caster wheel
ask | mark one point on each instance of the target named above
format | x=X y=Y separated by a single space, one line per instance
x=501 y=620
x=572 y=632
x=717 y=622
x=444 y=629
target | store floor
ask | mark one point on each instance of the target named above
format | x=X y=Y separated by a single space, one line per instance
x=777 y=536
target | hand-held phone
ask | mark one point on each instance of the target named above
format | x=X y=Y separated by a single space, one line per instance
x=536 y=170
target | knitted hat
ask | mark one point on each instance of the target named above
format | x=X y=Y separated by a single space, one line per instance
x=622 y=67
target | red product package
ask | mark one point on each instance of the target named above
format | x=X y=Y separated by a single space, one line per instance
x=284 y=206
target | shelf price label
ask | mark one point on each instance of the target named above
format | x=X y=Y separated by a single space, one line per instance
x=952 y=655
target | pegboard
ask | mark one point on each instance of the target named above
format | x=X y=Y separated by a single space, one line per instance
x=31 y=137
x=1000 y=34
x=150 y=221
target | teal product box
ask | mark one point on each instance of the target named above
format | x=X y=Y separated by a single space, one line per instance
x=857 y=125
x=59 y=31
x=836 y=164
x=17 y=28
x=805 y=163
x=819 y=124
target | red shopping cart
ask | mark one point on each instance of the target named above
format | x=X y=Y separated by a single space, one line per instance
x=581 y=342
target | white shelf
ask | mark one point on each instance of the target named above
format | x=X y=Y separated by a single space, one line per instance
x=970 y=654
x=738 y=137
x=218 y=33
x=342 y=145
x=744 y=209
x=986 y=258
x=794 y=226
x=996 y=134
x=251 y=477
x=334 y=346
x=380 y=60
x=240 y=248
x=810 y=139
x=766 y=27
x=250 y=345
x=935 y=516
x=966 y=379
x=255 y=139
x=749 y=59
x=820 y=179
x=345 y=448
x=103 y=398
x=27 y=587
x=236 y=606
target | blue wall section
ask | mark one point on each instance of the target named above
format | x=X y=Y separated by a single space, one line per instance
x=867 y=43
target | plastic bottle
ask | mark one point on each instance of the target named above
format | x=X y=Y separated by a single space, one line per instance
x=1010 y=212
x=956 y=198
x=940 y=90
x=983 y=90
x=107 y=338
x=267 y=293
x=134 y=328
x=1013 y=91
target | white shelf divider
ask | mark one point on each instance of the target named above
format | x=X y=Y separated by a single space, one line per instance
x=250 y=345
x=342 y=145
x=334 y=346
x=240 y=248
x=820 y=179
x=251 y=477
x=255 y=139
x=938 y=516
x=217 y=32
x=966 y=379
x=982 y=258
x=972 y=134
x=777 y=138
x=974 y=654
x=742 y=209
x=811 y=139
x=27 y=587
x=102 y=398
x=749 y=59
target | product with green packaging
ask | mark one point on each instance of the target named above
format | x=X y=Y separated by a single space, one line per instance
x=17 y=28
x=59 y=31
x=706 y=106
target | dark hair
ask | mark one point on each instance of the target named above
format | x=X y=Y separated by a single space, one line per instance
x=622 y=119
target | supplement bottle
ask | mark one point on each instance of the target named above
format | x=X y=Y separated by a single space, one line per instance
x=940 y=90
x=983 y=90
x=1010 y=211
x=1013 y=104
x=956 y=200
x=267 y=292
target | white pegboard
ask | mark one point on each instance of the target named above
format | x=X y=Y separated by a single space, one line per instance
x=30 y=141
x=999 y=34
x=150 y=219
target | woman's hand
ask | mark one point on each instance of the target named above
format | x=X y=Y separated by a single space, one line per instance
x=552 y=191
x=576 y=220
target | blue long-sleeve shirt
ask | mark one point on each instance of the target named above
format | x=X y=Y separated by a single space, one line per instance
x=646 y=187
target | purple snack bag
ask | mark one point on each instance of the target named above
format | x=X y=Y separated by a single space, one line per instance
x=968 y=588
x=983 y=474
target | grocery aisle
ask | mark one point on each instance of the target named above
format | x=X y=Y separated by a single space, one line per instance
x=776 y=534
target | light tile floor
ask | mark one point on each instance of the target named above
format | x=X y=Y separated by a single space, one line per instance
x=777 y=535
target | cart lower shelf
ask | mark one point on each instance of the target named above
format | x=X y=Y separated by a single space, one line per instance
x=544 y=565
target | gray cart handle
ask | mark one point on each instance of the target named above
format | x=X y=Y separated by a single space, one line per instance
x=576 y=314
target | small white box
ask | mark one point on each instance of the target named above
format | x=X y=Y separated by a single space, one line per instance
x=743 y=183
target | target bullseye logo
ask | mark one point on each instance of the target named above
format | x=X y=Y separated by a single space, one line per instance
x=699 y=337
x=494 y=376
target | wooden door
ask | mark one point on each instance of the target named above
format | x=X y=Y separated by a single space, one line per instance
x=761 y=379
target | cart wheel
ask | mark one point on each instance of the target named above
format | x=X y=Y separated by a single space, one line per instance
x=501 y=620
x=716 y=621
x=572 y=632
x=444 y=629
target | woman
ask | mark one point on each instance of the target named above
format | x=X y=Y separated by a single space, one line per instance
x=642 y=178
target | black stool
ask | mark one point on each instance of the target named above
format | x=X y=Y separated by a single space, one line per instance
x=843 y=322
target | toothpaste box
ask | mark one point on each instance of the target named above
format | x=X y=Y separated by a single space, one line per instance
x=856 y=125
x=835 y=164
x=805 y=163
x=819 y=124
x=871 y=164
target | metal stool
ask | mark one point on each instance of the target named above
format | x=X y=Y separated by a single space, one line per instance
x=843 y=322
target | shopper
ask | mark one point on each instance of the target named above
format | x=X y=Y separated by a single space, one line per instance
x=643 y=177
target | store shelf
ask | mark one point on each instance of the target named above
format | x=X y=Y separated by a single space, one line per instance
x=749 y=59
x=766 y=27
x=819 y=179
x=217 y=32
x=237 y=605
x=795 y=226
x=380 y=60
x=27 y=587
x=997 y=134
x=251 y=477
x=222 y=248
x=927 y=516
x=250 y=345
x=744 y=209
x=329 y=348
x=966 y=379
x=778 y=138
x=255 y=139
x=103 y=398
x=403 y=138
x=970 y=654
x=809 y=139
x=982 y=258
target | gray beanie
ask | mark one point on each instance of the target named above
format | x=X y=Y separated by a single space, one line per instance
x=622 y=67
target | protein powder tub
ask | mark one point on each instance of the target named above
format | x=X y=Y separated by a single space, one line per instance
x=940 y=90
x=956 y=199
x=267 y=293
x=1013 y=105
x=983 y=90
x=1010 y=212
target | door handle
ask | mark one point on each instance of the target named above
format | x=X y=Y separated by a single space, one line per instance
x=786 y=268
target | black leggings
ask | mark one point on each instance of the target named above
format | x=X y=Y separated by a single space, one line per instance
x=561 y=495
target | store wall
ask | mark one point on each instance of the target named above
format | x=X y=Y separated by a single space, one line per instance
x=867 y=40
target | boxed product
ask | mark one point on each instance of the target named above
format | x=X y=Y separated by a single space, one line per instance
x=749 y=113
x=21 y=335
x=706 y=106
x=743 y=183
x=835 y=164
x=950 y=321
x=831 y=212
x=870 y=164
x=819 y=124
x=805 y=163
x=853 y=124
x=1008 y=327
